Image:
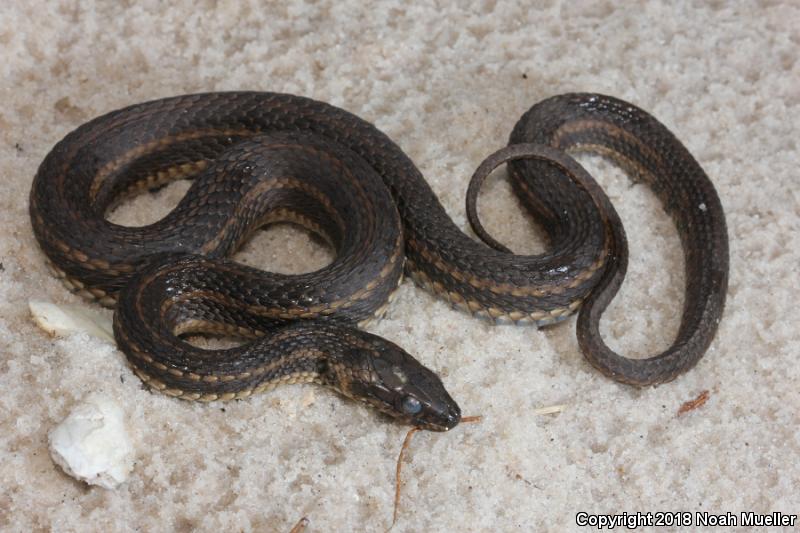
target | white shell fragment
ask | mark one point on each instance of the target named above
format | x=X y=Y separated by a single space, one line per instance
x=64 y=319
x=92 y=444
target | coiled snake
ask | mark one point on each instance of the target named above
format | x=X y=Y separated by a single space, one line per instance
x=258 y=158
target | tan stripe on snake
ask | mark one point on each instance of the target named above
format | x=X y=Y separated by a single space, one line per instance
x=258 y=158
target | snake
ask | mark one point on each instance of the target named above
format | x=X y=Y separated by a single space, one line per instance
x=258 y=158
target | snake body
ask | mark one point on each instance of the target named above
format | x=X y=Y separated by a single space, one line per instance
x=258 y=158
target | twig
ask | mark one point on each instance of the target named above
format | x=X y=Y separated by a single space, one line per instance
x=691 y=405
x=300 y=526
x=398 y=469
x=398 y=480
x=550 y=410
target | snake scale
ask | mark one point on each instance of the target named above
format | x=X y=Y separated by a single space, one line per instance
x=258 y=158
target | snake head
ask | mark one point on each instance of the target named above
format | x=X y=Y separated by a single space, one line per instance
x=403 y=388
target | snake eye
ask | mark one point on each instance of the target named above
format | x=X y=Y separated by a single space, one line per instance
x=411 y=405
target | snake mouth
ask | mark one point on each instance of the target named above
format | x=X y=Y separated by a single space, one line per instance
x=441 y=421
x=452 y=421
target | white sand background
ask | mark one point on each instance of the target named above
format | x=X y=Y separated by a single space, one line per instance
x=447 y=83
